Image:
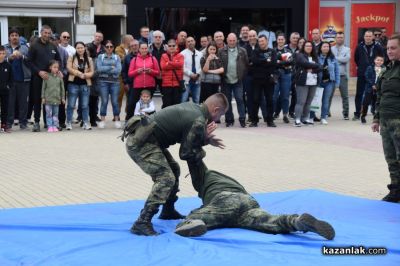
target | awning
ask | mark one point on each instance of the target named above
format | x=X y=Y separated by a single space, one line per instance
x=38 y=8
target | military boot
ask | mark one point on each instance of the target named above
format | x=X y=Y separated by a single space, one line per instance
x=191 y=228
x=143 y=225
x=394 y=194
x=306 y=222
x=169 y=212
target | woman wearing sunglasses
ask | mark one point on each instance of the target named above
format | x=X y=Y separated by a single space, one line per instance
x=108 y=68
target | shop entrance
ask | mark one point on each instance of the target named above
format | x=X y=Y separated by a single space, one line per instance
x=205 y=21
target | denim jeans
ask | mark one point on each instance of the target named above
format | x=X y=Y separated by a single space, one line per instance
x=106 y=89
x=52 y=115
x=194 y=89
x=74 y=92
x=282 y=91
x=237 y=90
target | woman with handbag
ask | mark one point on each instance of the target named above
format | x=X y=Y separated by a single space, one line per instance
x=330 y=78
x=306 y=79
x=80 y=68
x=212 y=68
x=172 y=75
x=143 y=69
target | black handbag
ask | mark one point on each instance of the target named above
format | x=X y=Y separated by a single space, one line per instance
x=182 y=87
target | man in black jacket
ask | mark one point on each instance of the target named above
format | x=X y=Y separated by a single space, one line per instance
x=5 y=86
x=40 y=54
x=264 y=61
x=364 y=56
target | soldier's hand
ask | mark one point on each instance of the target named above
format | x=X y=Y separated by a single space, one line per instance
x=216 y=142
x=211 y=128
x=375 y=127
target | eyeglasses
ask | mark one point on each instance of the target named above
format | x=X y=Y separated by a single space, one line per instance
x=66 y=37
x=377 y=34
x=109 y=46
x=171 y=45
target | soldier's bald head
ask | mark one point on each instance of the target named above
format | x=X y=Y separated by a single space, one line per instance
x=217 y=105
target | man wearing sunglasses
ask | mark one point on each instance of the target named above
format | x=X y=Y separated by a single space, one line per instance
x=65 y=37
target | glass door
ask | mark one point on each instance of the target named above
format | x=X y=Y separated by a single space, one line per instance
x=3 y=30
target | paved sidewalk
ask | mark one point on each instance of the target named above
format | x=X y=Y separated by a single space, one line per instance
x=43 y=169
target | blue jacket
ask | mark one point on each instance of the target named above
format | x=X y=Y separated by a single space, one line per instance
x=333 y=68
x=370 y=76
x=21 y=67
x=363 y=59
x=104 y=67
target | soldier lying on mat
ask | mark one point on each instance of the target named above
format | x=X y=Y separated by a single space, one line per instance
x=227 y=204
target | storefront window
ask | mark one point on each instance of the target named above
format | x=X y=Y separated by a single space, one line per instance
x=27 y=26
x=58 y=25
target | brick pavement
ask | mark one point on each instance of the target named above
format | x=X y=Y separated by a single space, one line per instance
x=77 y=167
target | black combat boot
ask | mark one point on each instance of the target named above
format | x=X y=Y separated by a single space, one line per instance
x=191 y=228
x=394 y=194
x=169 y=212
x=306 y=222
x=143 y=225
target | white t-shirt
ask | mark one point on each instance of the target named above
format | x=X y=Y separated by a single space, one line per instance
x=312 y=78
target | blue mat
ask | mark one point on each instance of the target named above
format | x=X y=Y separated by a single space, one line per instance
x=97 y=234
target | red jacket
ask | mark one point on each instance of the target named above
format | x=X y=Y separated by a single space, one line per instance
x=143 y=79
x=167 y=65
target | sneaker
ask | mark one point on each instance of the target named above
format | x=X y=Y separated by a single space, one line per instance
x=285 y=119
x=50 y=129
x=93 y=124
x=29 y=122
x=297 y=123
x=86 y=126
x=242 y=123
x=101 y=124
x=324 y=121
x=16 y=122
x=292 y=115
x=191 y=228
x=276 y=116
x=117 y=124
x=271 y=124
x=316 y=119
x=306 y=222
x=23 y=127
x=55 y=129
x=7 y=129
x=252 y=124
x=68 y=126
x=309 y=122
x=63 y=126
x=355 y=118
x=229 y=124
x=98 y=119
x=346 y=117
x=363 y=120
x=36 y=127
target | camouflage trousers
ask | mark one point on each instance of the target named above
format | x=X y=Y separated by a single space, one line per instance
x=240 y=210
x=160 y=165
x=390 y=132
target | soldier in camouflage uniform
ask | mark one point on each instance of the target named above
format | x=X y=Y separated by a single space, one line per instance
x=387 y=116
x=189 y=124
x=227 y=204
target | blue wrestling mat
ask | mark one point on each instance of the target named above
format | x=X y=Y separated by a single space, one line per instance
x=98 y=234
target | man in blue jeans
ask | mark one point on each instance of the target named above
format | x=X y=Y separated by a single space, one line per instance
x=191 y=71
x=235 y=62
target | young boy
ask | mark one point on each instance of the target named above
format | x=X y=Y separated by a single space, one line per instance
x=145 y=106
x=5 y=86
x=371 y=75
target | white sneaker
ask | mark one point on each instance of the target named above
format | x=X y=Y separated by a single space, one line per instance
x=117 y=124
x=101 y=124
x=69 y=126
x=86 y=126
x=324 y=121
x=310 y=121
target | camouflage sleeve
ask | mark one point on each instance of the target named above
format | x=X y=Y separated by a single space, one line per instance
x=378 y=100
x=191 y=146
x=197 y=170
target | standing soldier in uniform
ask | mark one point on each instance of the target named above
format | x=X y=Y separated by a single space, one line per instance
x=189 y=124
x=387 y=116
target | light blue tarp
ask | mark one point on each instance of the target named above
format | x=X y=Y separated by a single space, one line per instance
x=98 y=234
